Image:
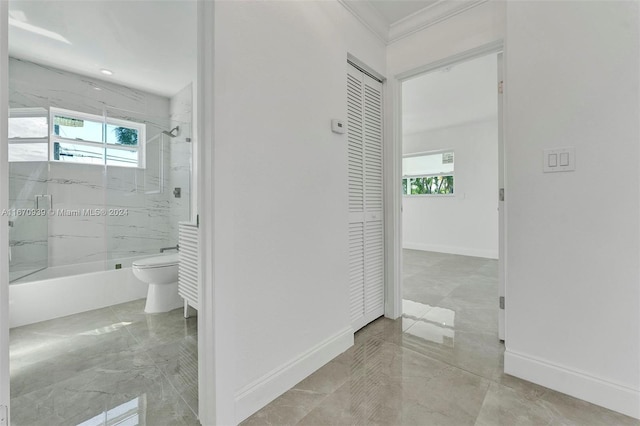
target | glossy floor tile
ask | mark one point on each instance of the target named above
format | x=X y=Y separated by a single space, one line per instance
x=115 y=365
x=440 y=364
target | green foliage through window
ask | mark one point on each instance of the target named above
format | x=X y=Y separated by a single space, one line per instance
x=427 y=185
x=126 y=136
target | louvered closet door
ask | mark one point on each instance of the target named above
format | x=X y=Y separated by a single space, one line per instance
x=366 y=231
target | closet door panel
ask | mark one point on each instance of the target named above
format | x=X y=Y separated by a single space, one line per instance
x=365 y=188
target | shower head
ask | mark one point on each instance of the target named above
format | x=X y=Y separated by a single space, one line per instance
x=170 y=132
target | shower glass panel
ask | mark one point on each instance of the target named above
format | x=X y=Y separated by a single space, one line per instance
x=109 y=168
x=28 y=224
x=29 y=200
x=143 y=211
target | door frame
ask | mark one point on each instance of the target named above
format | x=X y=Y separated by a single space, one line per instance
x=4 y=204
x=216 y=328
x=216 y=380
x=393 y=171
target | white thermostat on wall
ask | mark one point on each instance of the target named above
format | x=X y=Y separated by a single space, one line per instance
x=338 y=126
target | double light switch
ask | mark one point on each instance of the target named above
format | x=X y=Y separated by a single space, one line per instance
x=559 y=160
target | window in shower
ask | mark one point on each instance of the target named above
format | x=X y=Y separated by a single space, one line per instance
x=28 y=134
x=90 y=139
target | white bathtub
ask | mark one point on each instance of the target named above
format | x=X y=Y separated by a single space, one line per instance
x=65 y=290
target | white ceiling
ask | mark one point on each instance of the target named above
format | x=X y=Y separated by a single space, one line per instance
x=463 y=93
x=395 y=10
x=149 y=45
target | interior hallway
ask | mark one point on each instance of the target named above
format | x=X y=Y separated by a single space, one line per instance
x=115 y=365
x=441 y=363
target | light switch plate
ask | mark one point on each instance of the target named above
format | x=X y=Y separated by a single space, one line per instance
x=559 y=160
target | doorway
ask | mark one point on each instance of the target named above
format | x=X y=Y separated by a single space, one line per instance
x=104 y=160
x=451 y=215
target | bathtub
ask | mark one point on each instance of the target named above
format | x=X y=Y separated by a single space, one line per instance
x=59 y=291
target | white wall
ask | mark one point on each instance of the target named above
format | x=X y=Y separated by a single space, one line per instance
x=466 y=223
x=281 y=186
x=573 y=317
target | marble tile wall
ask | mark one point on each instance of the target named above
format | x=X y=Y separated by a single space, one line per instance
x=145 y=193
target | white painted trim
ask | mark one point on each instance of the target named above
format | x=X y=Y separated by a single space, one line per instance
x=467 y=55
x=581 y=385
x=4 y=203
x=216 y=341
x=368 y=17
x=392 y=163
x=262 y=391
x=464 y=251
x=430 y=15
x=364 y=67
x=502 y=205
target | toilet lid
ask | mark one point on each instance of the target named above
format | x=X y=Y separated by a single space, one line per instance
x=157 y=261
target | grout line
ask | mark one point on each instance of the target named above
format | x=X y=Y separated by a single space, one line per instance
x=484 y=400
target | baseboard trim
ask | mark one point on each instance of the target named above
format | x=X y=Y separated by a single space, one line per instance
x=610 y=395
x=489 y=254
x=262 y=391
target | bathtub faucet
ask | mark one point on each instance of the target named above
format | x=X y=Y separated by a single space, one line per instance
x=177 y=248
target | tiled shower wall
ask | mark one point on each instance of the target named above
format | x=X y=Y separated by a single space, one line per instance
x=146 y=193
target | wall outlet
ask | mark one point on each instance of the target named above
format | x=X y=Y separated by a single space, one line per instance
x=118 y=265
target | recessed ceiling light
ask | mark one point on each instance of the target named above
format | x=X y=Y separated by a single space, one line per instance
x=106 y=71
x=96 y=88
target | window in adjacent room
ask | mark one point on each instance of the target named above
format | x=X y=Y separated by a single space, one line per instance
x=428 y=173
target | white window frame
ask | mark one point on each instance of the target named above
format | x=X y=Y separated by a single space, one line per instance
x=140 y=127
x=427 y=175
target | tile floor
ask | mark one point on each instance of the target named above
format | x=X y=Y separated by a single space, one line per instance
x=440 y=364
x=106 y=366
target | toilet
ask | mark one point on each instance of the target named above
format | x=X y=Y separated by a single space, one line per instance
x=161 y=273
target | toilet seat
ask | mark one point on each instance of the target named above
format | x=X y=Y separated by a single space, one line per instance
x=157 y=261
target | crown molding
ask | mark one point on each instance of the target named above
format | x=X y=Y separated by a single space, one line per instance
x=430 y=15
x=369 y=17
x=424 y=18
